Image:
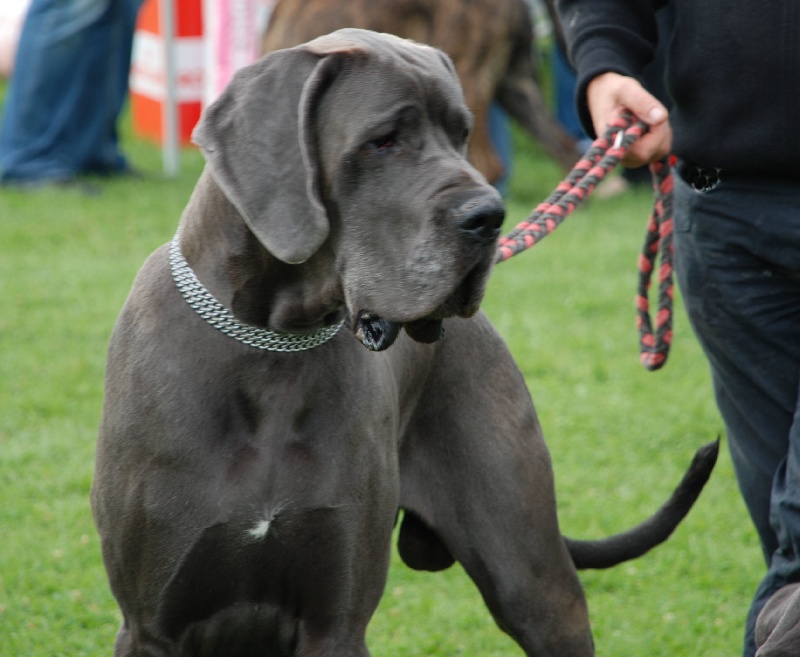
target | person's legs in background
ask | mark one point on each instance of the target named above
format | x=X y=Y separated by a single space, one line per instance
x=500 y=135
x=120 y=24
x=564 y=80
x=68 y=87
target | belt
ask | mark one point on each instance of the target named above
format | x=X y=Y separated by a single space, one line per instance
x=705 y=178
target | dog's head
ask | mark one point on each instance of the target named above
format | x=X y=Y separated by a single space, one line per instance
x=357 y=140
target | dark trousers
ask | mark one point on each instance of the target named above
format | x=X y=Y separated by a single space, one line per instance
x=738 y=265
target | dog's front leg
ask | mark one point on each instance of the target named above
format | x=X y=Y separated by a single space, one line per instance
x=475 y=469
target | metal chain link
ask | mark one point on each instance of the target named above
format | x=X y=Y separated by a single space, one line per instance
x=211 y=310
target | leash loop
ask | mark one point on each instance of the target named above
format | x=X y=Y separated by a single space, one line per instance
x=654 y=345
x=602 y=156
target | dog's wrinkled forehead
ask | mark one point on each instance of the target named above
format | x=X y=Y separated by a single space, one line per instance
x=421 y=59
x=376 y=43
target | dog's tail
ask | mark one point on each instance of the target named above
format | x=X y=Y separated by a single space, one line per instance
x=634 y=542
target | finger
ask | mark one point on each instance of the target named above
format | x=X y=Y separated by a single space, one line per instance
x=652 y=146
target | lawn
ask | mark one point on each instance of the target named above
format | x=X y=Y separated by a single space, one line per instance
x=619 y=436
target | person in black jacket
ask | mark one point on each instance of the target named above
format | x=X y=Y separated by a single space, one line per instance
x=733 y=77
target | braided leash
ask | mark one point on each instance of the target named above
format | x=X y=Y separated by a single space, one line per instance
x=654 y=346
x=603 y=155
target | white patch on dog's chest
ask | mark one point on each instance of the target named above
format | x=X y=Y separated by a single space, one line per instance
x=260 y=530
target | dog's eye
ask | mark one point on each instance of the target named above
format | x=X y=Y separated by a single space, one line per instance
x=383 y=144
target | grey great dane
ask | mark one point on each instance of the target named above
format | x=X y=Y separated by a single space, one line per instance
x=254 y=457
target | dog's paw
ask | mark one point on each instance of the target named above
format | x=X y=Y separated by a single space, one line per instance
x=425 y=330
x=375 y=333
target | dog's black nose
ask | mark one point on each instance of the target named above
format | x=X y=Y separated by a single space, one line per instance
x=481 y=219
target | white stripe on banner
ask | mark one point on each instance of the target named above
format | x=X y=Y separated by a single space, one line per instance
x=148 y=68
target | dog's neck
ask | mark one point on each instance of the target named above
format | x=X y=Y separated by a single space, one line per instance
x=240 y=273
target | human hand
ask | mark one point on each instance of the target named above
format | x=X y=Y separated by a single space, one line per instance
x=610 y=94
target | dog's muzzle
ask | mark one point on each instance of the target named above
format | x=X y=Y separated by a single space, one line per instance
x=479 y=221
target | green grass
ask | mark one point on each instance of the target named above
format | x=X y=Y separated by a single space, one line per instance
x=620 y=437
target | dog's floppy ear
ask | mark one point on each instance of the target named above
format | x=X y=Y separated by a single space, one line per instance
x=258 y=138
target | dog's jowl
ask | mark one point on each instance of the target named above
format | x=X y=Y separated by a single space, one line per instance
x=253 y=454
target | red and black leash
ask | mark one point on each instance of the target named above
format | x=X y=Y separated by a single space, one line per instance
x=603 y=155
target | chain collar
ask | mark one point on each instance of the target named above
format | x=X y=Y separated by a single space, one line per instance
x=211 y=310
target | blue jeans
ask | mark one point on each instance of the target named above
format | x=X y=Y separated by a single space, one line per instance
x=500 y=134
x=69 y=84
x=565 y=79
x=738 y=264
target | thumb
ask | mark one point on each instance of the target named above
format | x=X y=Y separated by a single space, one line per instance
x=647 y=108
x=641 y=103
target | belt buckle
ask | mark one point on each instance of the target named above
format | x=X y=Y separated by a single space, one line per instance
x=703 y=179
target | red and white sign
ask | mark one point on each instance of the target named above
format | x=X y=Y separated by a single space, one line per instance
x=213 y=39
x=148 y=81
